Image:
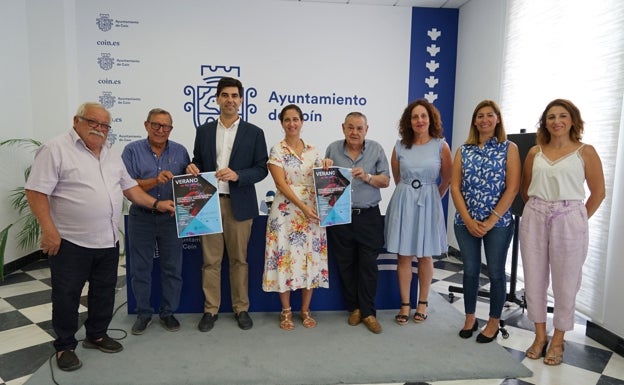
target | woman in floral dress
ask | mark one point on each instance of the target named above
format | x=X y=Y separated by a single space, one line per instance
x=296 y=246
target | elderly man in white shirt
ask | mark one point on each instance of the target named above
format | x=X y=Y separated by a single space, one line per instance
x=75 y=191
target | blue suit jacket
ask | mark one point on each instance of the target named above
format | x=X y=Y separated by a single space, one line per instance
x=249 y=159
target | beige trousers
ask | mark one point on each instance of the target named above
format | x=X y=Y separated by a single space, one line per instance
x=234 y=239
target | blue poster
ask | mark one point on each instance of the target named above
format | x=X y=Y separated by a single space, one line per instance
x=197 y=208
x=333 y=195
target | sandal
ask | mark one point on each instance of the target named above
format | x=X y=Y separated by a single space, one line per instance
x=402 y=319
x=537 y=350
x=554 y=356
x=286 y=321
x=421 y=317
x=308 y=321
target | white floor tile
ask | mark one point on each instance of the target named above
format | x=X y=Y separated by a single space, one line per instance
x=39 y=273
x=469 y=382
x=5 y=306
x=558 y=375
x=22 y=337
x=19 y=381
x=615 y=367
x=38 y=313
x=22 y=288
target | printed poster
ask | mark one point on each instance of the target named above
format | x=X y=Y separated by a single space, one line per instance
x=197 y=208
x=333 y=195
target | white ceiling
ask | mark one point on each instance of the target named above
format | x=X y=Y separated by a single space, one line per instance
x=398 y=3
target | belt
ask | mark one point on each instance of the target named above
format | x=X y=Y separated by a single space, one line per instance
x=224 y=195
x=148 y=211
x=356 y=211
x=416 y=183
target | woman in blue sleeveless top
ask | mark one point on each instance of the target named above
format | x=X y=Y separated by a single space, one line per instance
x=485 y=182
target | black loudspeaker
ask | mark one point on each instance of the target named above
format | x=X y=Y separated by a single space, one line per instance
x=524 y=141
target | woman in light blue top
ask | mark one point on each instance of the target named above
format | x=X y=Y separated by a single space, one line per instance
x=485 y=181
x=421 y=166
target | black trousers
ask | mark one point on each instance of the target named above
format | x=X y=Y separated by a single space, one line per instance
x=356 y=247
x=70 y=269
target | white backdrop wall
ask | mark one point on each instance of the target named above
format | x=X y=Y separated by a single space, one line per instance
x=159 y=48
x=277 y=49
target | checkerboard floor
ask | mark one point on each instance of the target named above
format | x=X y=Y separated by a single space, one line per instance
x=26 y=333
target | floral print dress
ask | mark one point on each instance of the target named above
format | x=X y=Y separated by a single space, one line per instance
x=296 y=248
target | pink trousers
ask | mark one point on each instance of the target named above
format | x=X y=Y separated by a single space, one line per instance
x=553 y=244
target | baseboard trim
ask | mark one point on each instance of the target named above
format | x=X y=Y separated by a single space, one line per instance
x=26 y=260
x=605 y=337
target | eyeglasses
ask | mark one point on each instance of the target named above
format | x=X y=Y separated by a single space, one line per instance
x=157 y=126
x=95 y=124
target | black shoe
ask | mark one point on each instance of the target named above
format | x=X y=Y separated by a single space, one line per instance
x=207 y=322
x=467 y=333
x=140 y=325
x=244 y=320
x=68 y=361
x=484 y=340
x=170 y=323
x=106 y=344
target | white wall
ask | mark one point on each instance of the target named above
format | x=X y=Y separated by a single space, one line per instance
x=479 y=71
x=15 y=108
x=614 y=284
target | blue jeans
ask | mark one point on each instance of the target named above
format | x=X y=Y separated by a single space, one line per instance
x=146 y=230
x=496 y=243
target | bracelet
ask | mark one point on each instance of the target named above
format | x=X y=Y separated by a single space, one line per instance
x=155 y=205
x=495 y=213
x=369 y=178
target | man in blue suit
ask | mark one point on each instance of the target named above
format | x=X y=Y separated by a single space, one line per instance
x=237 y=151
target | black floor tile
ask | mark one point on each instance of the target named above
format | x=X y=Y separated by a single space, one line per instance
x=586 y=357
x=47 y=327
x=455 y=278
x=23 y=301
x=121 y=281
x=446 y=265
x=515 y=381
x=517 y=354
x=25 y=361
x=40 y=264
x=16 y=277
x=13 y=319
x=606 y=380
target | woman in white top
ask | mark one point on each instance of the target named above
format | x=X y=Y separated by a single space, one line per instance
x=553 y=230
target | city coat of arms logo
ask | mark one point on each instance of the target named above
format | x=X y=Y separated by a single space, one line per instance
x=203 y=103
x=104 y=22
x=106 y=61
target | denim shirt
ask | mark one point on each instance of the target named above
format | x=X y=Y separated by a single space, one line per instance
x=142 y=163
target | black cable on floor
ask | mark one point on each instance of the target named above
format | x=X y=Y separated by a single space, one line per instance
x=125 y=334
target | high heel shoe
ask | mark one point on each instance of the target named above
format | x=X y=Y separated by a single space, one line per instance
x=537 y=350
x=402 y=319
x=484 y=340
x=467 y=333
x=418 y=316
x=554 y=356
